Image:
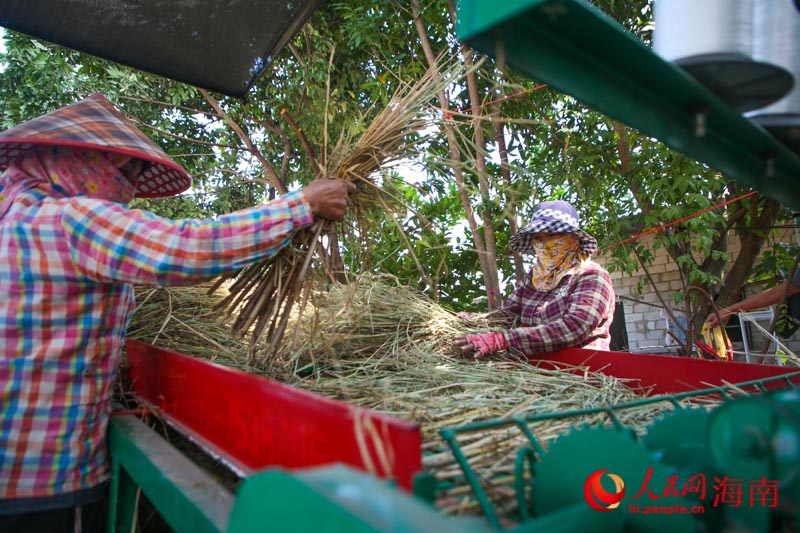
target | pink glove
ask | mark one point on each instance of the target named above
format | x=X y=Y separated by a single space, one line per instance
x=491 y=342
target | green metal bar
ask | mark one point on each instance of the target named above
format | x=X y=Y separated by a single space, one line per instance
x=187 y=497
x=576 y=48
x=521 y=485
x=472 y=478
x=480 y=495
x=526 y=430
x=123 y=500
x=614 y=418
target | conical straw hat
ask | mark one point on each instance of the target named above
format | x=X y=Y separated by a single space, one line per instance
x=94 y=124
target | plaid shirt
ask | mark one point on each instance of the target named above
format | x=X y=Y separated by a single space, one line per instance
x=67 y=269
x=578 y=312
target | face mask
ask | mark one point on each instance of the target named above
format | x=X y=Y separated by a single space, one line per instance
x=554 y=259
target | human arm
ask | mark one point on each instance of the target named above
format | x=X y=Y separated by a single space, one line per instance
x=758 y=300
x=110 y=243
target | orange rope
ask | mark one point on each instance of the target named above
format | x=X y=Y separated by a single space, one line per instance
x=664 y=226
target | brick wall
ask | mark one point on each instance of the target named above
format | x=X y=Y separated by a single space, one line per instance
x=645 y=320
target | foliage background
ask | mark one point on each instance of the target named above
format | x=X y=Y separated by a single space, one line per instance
x=341 y=69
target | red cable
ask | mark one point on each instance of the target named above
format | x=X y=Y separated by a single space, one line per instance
x=648 y=232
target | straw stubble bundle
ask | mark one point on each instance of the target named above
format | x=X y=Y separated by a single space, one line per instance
x=182 y=319
x=373 y=320
x=263 y=295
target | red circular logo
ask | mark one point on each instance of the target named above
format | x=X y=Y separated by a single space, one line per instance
x=598 y=497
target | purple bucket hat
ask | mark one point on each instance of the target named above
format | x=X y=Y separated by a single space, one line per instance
x=552 y=217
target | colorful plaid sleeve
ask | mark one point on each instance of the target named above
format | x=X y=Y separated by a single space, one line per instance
x=111 y=243
x=512 y=304
x=577 y=313
x=63 y=320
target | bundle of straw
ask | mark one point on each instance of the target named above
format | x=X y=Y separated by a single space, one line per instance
x=372 y=318
x=263 y=295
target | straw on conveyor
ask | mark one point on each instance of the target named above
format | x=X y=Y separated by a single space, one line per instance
x=380 y=345
x=181 y=319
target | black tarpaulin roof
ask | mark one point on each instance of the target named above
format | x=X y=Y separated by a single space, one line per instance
x=223 y=46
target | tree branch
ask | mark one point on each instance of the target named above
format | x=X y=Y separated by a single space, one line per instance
x=273 y=176
x=318 y=171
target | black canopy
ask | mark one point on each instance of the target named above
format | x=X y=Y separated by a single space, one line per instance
x=223 y=46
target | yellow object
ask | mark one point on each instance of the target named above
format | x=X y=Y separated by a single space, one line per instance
x=718 y=340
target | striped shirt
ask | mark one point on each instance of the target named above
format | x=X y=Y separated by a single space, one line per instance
x=67 y=271
x=578 y=312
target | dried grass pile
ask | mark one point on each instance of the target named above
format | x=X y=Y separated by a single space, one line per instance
x=387 y=347
x=380 y=345
x=182 y=319
x=374 y=321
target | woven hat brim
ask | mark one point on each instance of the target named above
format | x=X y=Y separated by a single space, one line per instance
x=522 y=241
x=94 y=124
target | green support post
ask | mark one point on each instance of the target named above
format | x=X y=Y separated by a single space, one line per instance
x=123 y=500
x=187 y=497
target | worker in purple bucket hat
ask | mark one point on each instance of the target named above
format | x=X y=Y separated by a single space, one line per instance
x=565 y=300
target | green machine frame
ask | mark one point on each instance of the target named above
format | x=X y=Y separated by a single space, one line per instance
x=581 y=51
x=189 y=499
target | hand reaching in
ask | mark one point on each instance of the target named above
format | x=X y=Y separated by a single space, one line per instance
x=482 y=343
x=712 y=321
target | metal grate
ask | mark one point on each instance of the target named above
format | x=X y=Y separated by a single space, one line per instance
x=526 y=456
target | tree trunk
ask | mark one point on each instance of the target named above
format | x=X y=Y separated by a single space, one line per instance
x=491 y=277
x=751 y=244
x=489 y=269
x=510 y=208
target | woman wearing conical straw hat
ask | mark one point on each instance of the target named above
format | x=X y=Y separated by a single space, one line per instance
x=70 y=254
x=566 y=299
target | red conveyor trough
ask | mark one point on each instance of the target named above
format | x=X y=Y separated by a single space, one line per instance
x=664 y=374
x=251 y=423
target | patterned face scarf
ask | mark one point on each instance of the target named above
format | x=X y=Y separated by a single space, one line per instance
x=64 y=172
x=555 y=259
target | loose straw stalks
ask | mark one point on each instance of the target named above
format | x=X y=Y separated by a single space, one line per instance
x=382 y=346
x=261 y=299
